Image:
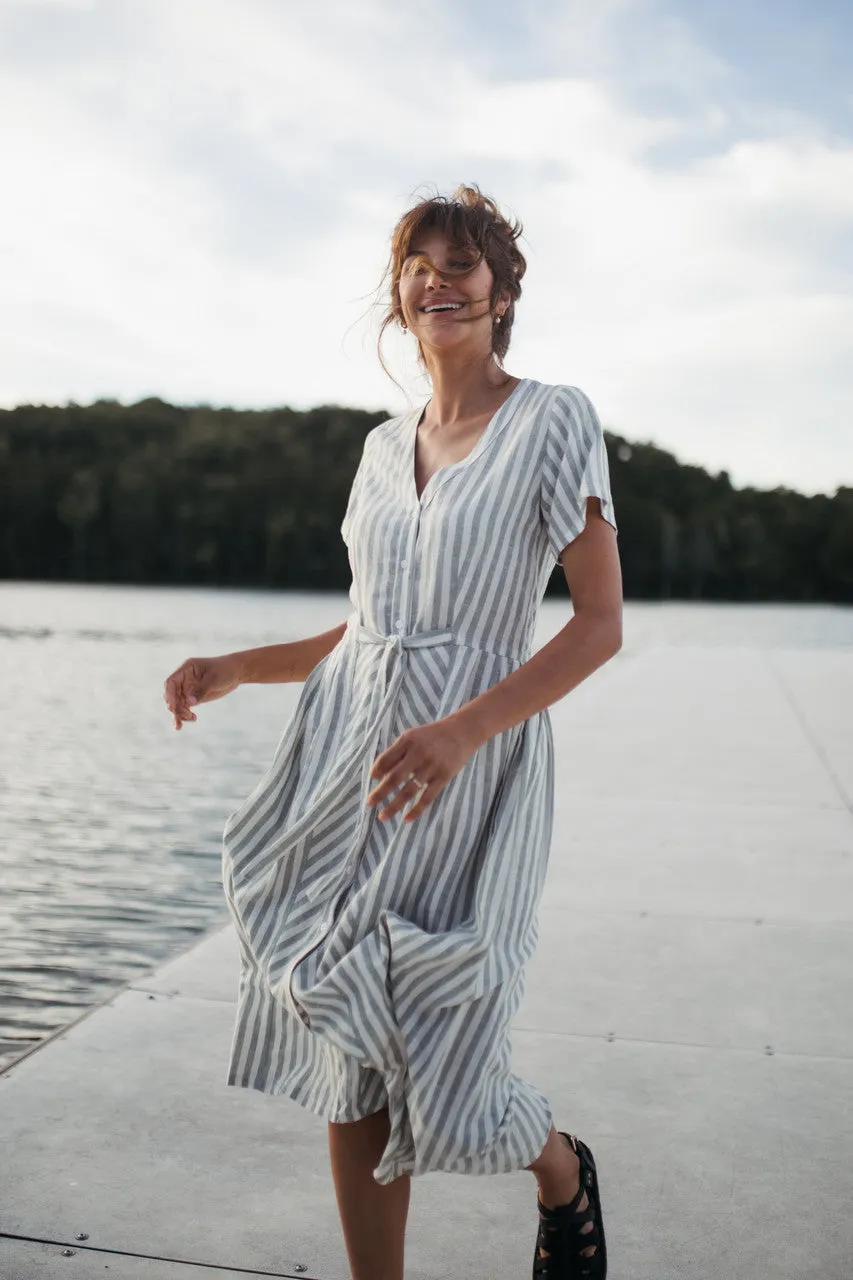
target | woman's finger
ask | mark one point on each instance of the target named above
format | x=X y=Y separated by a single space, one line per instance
x=180 y=692
x=178 y=701
x=169 y=692
x=384 y=765
x=424 y=796
x=182 y=714
x=404 y=794
x=410 y=790
x=173 y=692
x=390 y=782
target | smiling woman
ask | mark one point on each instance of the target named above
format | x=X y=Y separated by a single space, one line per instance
x=477 y=251
x=383 y=952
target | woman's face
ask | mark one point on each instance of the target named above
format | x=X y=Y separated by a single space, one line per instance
x=466 y=318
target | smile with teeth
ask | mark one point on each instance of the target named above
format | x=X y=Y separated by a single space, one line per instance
x=440 y=306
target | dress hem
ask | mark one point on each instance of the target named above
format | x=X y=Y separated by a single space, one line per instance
x=300 y=1094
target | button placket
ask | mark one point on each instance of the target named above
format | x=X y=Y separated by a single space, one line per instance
x=399 y=650
x=402 y=623
x=394 y=645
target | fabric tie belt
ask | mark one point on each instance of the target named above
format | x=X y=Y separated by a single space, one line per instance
x=397 y=641
x=396 y=646
x=415 y=640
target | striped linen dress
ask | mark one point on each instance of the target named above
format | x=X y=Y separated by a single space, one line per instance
x=382 y=962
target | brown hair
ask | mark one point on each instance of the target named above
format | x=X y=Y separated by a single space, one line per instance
x=472 y=221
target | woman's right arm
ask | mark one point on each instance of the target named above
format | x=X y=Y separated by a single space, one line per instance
x=206 y=679
x=282 y=663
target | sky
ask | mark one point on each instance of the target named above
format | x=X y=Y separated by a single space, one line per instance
x=199 y=195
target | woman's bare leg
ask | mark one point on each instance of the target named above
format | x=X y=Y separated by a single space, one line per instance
x=557 y=1170
x=373 y=1217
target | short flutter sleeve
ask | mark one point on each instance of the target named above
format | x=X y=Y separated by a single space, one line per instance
x=574 y=468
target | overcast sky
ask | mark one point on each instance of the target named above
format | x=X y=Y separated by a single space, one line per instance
x=198 y=197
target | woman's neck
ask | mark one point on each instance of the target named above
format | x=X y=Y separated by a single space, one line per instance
x=463 y=391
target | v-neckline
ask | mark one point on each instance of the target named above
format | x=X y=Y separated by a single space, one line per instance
x=461 y=462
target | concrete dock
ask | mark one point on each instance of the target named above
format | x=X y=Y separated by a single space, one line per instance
x=688 y=1013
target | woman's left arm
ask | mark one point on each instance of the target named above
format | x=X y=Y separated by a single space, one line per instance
x=436 y=752
x=589 y=639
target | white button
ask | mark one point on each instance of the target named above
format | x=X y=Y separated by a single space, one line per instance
x=404 y=564
x=398 y=623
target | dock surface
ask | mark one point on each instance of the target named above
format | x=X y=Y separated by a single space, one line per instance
x=687 y=1013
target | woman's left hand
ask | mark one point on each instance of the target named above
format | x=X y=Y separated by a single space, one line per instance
x=434 y=753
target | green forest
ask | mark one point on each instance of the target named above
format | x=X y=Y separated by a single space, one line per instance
x=162 y=494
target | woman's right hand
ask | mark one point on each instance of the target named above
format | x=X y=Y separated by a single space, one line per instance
x=200 y=680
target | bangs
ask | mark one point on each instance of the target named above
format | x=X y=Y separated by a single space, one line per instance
x=463 y=227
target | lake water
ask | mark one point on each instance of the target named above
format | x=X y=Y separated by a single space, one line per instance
x=111 y=821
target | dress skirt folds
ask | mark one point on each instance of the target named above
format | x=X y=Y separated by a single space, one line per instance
x=382 y=962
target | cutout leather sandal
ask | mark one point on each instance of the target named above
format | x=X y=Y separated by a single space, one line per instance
x=561 y=1237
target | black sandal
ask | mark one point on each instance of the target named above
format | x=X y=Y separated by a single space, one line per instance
x=560 y=1233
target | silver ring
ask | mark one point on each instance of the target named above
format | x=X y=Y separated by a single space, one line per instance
x=410 y=777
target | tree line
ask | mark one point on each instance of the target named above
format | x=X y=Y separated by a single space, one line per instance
x=165 y=494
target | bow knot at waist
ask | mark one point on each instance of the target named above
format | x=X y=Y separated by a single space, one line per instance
x=399 y=641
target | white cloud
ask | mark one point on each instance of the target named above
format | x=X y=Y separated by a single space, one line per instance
x=199 y=203
x=46 y=4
